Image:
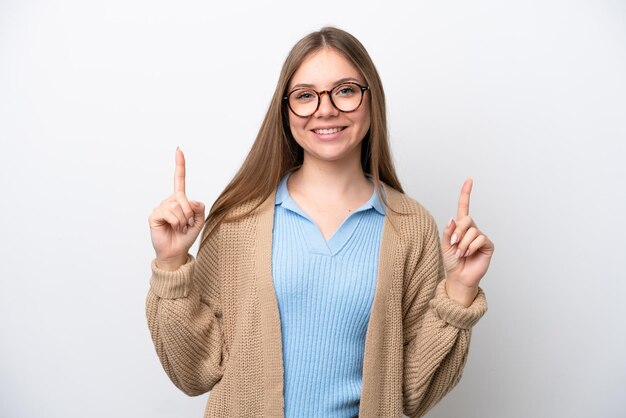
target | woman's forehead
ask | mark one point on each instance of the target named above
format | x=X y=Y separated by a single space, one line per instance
x=323 y=69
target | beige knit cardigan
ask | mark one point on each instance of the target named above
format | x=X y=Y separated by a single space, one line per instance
x=216 y=326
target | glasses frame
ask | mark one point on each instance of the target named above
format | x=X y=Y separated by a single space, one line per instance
x=319 y=94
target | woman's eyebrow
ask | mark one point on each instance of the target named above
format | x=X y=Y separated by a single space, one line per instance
x=342 y=80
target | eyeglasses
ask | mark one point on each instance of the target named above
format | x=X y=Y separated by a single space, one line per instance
x=346 y=97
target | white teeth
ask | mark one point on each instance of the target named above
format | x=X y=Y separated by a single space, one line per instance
x=327 y=131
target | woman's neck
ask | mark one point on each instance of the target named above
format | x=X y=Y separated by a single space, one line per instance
x=330 y=181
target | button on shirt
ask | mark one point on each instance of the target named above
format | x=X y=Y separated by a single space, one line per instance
x=325 y=291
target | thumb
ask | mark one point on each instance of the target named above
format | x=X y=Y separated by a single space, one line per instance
x=447 y=234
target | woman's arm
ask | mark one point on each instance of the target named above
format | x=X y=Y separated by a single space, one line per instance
x=183 y=304
x=184 y=316
x=437 y=331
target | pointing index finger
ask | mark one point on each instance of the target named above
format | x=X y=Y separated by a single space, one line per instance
x=179 y=172
x=464 y=199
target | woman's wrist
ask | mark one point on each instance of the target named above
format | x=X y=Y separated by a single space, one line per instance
x=461 y=293
x=171 y=264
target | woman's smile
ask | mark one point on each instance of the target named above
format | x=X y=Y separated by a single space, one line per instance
x=327 y=134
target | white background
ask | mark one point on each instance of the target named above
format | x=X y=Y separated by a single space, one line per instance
x=527 y=97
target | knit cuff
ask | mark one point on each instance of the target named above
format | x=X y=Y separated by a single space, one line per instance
x=172 y=284
x=453 y=312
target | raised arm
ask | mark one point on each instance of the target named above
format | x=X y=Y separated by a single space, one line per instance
x=183 y=304
x=438 y=326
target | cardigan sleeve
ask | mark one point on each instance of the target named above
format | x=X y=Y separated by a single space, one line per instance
x=184 y=318
x=437 y=331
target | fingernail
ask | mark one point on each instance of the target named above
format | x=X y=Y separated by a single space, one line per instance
x=190 y=222
x=458 y=253
x=185 y=229
x=466 y=253
x=449 y=223
x=454 y=239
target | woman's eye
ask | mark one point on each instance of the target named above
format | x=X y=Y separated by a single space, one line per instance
x=305 y=95
x=345 y=90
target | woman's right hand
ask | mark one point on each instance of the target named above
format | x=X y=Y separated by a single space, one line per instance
x=176 y=222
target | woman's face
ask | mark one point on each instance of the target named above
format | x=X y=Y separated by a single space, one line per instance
x=329 y=134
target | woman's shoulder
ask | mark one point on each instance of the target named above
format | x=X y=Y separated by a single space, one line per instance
x=410 y=216
x=239 y=220
x=406 y=205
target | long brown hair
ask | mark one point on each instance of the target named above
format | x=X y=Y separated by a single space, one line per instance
x=275 y=151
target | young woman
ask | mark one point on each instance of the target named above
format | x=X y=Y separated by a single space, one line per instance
x=319 y=289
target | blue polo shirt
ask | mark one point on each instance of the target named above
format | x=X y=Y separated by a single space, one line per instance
x=325 y=291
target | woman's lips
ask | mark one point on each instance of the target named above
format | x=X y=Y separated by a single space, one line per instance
x=326 y=134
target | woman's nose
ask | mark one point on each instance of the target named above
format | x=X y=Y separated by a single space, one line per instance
x=327 y=108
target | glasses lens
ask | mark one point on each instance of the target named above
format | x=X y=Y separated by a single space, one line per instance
x=347 y=97
x=303 y=102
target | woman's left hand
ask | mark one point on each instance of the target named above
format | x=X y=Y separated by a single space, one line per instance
x=466 y=252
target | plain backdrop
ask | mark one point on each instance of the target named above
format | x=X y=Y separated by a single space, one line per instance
x=527 y=97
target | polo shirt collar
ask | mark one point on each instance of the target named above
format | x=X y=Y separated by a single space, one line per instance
x=283 y=198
